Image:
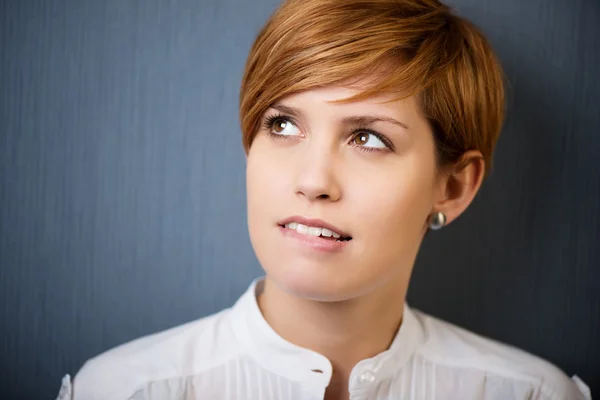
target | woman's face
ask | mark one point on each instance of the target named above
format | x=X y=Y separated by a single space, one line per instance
x=364 y=169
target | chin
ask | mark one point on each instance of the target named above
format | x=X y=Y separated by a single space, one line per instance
x=310 y=283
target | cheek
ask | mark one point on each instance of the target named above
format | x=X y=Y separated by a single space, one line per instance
x=265 y=181
x=256 y=174
x=394 y=206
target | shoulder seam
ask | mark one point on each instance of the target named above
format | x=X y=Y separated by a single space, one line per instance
x=140 y=387
x=540 y=383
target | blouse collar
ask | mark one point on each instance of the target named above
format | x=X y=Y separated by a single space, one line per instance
x=302 y=365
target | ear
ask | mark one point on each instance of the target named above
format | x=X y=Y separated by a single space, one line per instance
x=458 y=185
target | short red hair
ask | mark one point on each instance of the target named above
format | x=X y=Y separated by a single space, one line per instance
x=415 y=47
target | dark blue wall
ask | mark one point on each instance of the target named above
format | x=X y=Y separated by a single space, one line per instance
x=122 y=193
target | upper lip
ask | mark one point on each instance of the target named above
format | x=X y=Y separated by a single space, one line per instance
x=314 y=223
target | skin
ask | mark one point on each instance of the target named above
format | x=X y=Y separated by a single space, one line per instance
x=318 y=166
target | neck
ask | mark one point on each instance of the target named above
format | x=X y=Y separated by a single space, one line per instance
x=345 y=332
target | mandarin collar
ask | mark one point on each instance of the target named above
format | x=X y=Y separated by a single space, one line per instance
x=302 y=365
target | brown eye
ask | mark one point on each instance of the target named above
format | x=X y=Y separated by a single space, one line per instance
x=361 y=139
x=369 y=140
x=279 y=125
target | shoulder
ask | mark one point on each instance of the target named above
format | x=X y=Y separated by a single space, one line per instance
x=456 y=348
x=184 y=350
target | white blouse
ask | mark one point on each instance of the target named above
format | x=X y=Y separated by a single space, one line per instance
x=235 y=354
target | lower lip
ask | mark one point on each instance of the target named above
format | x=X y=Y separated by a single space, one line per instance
x=315 y=242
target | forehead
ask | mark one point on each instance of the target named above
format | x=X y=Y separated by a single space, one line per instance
x=324 y=100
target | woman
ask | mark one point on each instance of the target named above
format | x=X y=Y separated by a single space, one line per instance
x=366 y=123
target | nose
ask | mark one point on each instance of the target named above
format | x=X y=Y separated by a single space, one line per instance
x=316 y=177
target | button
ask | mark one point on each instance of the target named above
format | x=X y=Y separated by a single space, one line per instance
x=366 y=377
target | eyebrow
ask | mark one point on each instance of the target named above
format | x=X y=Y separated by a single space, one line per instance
x=353 y=120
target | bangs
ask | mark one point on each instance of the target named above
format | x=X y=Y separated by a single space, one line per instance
x=398 y=47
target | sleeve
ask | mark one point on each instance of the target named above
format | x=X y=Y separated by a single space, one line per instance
x=568 y=389
x=65 y=392
x=103 y=378
x=583 y=388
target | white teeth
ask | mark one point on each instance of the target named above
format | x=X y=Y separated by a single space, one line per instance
x=302 y=229
x=312 y=230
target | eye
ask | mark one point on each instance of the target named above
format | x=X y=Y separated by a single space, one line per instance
x=369 y=140
x=281 y=126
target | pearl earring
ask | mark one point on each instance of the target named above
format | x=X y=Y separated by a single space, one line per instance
x=437 y=220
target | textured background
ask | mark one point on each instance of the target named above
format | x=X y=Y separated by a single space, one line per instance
x=122 y=194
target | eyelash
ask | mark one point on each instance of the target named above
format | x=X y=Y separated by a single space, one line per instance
x=269 y=121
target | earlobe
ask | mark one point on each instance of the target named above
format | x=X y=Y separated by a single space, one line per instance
x=461 y=185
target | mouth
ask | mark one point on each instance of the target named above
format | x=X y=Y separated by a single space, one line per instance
x=315 y=228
